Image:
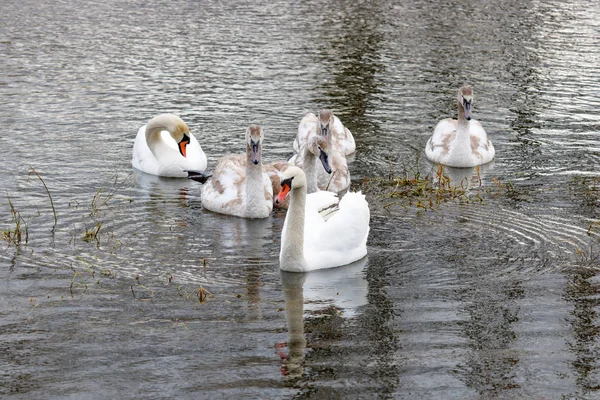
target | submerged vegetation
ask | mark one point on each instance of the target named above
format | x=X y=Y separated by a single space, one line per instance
x=422 y=191
x=427 y=191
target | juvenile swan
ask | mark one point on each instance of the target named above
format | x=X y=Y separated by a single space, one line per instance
x=310 y=241
x=316 y=153
x=329 y=126
x=239 y=185
x=311 y=128
x=461 y=143
x=165 y=147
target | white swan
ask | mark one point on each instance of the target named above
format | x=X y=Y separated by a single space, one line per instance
x=165 y=147
x=329 y=126
x=239 y=185
x=314 y=153
x=310 y=241
x=460 y=143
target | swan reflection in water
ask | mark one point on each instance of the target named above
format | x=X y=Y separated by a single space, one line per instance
x=344 y=288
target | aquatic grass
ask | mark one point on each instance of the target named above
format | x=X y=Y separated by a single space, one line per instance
x=201 y=293
x=139 y=285
x=33 y=171
x=588 y=188
x=92 y=234
x=20 y=231
x=413 y=189
x=77 y=274
x=101 y=199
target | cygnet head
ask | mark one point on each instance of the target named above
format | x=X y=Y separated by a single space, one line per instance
x=325 y=122
x=175 y=126
x=292 y=178
x=254 y=138
x=319 y=146
x=465 y=100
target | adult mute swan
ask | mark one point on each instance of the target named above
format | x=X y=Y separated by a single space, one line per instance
x=460 y=143
x=239 y=185
x=315 y=152
x=165 y=147
x=310 y=241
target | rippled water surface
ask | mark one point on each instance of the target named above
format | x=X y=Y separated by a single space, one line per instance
x=494 y=297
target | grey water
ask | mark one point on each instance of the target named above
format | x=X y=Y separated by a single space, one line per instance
x=497 y=297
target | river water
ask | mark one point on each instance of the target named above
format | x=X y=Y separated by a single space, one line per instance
x=492 y=296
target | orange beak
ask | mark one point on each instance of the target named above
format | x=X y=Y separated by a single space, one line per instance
x=285 y=189
x=183 y=144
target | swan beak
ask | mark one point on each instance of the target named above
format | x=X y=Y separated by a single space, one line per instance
x=198 y=176
x=255 y=152
x=325 y=161
x=324 y=130
x=183 y=144
x=286 y=186
x=467 y=107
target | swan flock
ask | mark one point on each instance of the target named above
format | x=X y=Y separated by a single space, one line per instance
x=326 y=225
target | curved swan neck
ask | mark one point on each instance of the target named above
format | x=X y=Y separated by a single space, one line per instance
x=153 y=137
x=310 y=170
x=291 y=257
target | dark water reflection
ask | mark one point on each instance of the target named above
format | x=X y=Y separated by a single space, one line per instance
x=494 y=297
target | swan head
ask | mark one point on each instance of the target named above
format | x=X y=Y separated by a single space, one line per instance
x=325 y=122
x=465 y=100
x=292 y=178
x=319 y=146
x=175 y=126
x=254 y=138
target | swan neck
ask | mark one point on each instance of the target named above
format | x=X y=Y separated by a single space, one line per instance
x=255 y=196
x=291 y=257
x=462 y=128
x=153 y=137
x=310 y=170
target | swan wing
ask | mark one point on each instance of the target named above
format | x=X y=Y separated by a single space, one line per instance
x=195 y=155
x=224 y=192
x=481 y=146
x=307 y=127
x=142 y=158
x=339 y=179
x=440 y=143
x=340 y=240
x=344 y=141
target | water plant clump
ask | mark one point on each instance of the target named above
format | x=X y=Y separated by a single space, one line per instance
x=18 y=233
x=413 y=189
x=92 y=234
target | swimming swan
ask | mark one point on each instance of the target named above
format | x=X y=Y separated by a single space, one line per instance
x=311 y=127
x=327 y=125
x=165 y=147
x=461 y=143
x=311 y=241
x=239 y=185
x=315 y=152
